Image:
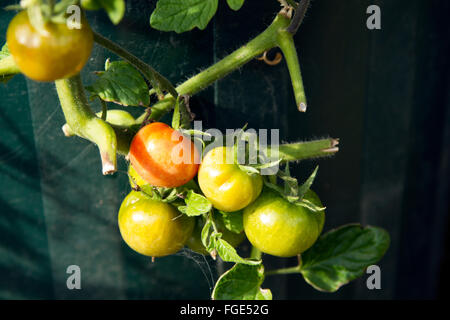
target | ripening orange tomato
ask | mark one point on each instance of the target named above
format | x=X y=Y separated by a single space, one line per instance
x=164 y=157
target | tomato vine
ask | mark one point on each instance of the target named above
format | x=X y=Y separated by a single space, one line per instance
x=233 y=200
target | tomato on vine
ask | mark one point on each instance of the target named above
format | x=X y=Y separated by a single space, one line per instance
x=280 y=228
x=153 y=227
x=163 y=157
x=224 y=184
x=53 y=53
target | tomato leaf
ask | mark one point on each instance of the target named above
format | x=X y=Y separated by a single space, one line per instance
x=196 y=204
x=235 y=4
x=205 y=235
x=342 y=255
x=229 y=254
x=241 y=282
x=181 y=16
x=121 y=84
x=233 y=221
x=307 y=185
x=114 y=8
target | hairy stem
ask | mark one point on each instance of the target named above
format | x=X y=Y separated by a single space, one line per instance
x=286 y=43
x=308 y=150
x=84 y=123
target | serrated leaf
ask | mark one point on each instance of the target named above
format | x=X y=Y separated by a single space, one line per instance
x=342 y=255
x=229 y=254
x=233 y=221
x=181 y=16
x=241 y=282
x=235 y=4
x=121 y=84
x=196 y=204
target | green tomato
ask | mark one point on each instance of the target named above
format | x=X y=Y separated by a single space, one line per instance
x=227 y=186
x=152 y=227
x=195 y=241
x=280 y=228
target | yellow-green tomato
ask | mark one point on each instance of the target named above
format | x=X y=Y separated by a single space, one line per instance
x=195 y=241
x=224 y=184
x=152 y=227
x=53 y=53
x=280 y=228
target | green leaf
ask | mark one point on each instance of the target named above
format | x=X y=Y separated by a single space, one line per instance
x=233 y=221
x=235 y=4
x=342 y=255
x=121 y=84
x=205 y=236
x=196 y=204
x=308 y=183
x=4 y=52
x=242 y=282
x=114 y=8
x=229 y=254
x=182 y=15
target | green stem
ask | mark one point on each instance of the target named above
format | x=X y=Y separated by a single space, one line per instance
x=290 y=270
x=158 y=82
x=84 y=123
x=308 y=150
x=255 y=253
x=264 y=41
x=286 y=43
x=8 y=68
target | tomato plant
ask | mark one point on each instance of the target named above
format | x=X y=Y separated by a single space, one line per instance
x=176 y=201
x=49 y=54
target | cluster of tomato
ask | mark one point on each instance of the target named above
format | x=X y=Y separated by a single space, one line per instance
x=152 y=226
x=156 y=228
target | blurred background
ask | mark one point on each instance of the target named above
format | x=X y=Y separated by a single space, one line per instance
x=385 y=93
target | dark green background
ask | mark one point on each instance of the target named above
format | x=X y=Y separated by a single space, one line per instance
x=384 y=93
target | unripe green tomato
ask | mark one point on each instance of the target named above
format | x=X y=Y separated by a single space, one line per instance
x=280 y=228
x=228 y=187
x=152 y=227
x=195 y=241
